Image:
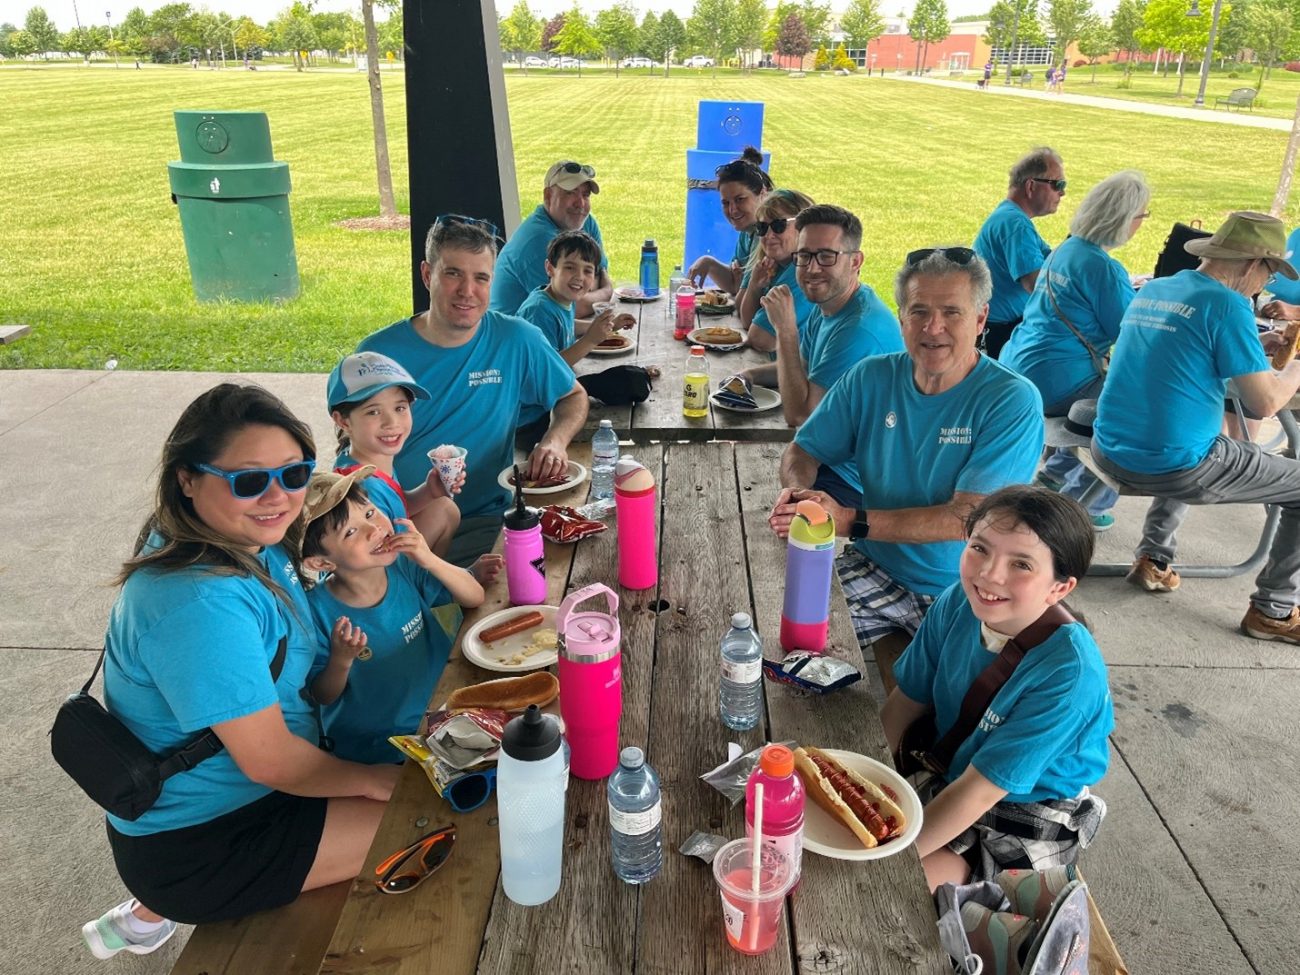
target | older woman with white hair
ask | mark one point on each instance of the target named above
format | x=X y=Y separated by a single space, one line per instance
x=1073 y=317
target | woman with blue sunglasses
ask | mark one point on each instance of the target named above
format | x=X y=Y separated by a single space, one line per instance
x=208 y=598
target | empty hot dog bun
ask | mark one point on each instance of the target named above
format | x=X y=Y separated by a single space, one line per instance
x=1287 y=350
x=856 y=802
x=507 y=694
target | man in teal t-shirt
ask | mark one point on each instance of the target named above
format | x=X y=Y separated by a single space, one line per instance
x=566 y=205
x=1010 y=245
x=848 y=324
x=930 y=431
x=1161 y=411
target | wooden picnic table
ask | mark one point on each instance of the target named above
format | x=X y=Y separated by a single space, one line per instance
x=717 y=557
x=660 y=417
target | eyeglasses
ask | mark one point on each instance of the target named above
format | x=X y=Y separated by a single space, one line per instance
x=430 y=852
x=826 y=258
x=253 y=482
x=447 y=219
x=777 y=226
x=1056 y=184
x=958 y=255
x=574 y=168
x=1143 y=215
x=471 y=790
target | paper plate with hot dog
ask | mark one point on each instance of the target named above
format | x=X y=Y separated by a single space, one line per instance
x=860 y=809
x=513 y=640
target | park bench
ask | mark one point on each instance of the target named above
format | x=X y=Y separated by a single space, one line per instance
x=1238 y=97
x=1026 y=78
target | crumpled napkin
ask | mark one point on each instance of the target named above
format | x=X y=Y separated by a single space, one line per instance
x=736 y=391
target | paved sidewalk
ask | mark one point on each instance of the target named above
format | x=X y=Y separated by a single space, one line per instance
x=1112 y=104
x=1193 y=870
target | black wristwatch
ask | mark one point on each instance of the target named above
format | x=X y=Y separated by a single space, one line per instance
x=860 y=524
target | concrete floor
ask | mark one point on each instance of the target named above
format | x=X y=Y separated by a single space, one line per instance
x=1192 y=870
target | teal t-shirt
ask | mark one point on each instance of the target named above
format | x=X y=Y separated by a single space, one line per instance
x=521 y=265
x=187 y=649
x=1283 y=287
x=914 y=451
x=554 y=319
x=1093 y=291
x=745 y=243
x=1181 y=340
x=1012 y=248
x=476 y=393
x=1044 y=733
x=377 y=489
x=386 y=694
x=803 y=308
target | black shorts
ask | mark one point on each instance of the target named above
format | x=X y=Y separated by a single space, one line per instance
x=249 y=860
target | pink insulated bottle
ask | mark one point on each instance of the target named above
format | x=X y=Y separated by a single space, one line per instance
x=634 y=497
x=783 y=797
x=591 y=682
x=525 y=556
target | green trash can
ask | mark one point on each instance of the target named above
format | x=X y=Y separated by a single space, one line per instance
x=234 y=207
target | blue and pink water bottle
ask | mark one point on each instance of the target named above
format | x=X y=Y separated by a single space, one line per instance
x=809 y=563
x=524 y=553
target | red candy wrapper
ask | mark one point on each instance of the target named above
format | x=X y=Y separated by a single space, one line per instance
x=562 y=524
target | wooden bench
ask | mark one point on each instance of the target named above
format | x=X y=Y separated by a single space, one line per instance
x=1239 y=98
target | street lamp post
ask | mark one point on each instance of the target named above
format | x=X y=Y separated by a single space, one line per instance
x=1209 y=47
x=1015 y=36
x=108 y=16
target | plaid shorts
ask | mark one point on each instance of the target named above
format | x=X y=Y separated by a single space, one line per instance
x=877 y=604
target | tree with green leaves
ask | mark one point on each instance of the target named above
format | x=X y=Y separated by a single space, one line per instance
x=1268 y=27
x=84 y=41
x=250 y=37
x=841 y=61
x=747 y=26
x=549 y=30
x=294 y=32
x=822 y=60
x=647 y=36
x=616 y=31
x=1231 y=39
x=577 y=39
x=1095 y=41
x=1013 y=26
x=1124 y=27
x=928 y=25
x=1066 y=18
x=816 y=17
x=711 y=29
x=21 y=44
x=521 y=31
x=671 y=36
x=1165 y=24
x=172 y=29
x=392 y=34
x=41 y=31
x=862 y=23
x=782 y=10
x=133 y=32
x=6 y=30
x=793 y=40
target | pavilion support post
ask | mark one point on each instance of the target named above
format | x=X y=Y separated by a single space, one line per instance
x=460 y=155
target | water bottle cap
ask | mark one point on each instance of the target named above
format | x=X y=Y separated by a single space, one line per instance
x=631 y=757
x=531 y=737
x=777 y=761
x=608 y=424
x=697 y=350
x=521 y=518
x=741 y=621
x=650 y=244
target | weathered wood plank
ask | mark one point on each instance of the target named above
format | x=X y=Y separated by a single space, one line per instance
x=704 y=578
x=892 y=926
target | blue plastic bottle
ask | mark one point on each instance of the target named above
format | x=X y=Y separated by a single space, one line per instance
x=636 y=847
x=650 y=269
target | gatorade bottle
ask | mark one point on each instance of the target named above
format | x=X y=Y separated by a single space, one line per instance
x=783 y=798
x=695 y=397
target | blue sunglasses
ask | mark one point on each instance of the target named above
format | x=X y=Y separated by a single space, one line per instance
x=253 y=482
x=471 y=790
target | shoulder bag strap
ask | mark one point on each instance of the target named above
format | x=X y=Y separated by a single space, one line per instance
x=85 y=688
x=1098 y=361
x=991 y=679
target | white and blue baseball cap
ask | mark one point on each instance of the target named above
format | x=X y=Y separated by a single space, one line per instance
x=362 y=374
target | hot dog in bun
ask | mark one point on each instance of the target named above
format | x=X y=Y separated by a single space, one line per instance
x=860 y=805
x=1287 y=350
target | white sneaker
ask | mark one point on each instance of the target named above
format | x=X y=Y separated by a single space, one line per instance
x=112 y=933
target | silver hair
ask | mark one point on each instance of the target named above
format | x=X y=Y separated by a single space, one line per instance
x=938 y=262
x=1105 y=217
x=1035 y=163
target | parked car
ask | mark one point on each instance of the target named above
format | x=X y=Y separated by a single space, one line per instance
x=639 y=63
x=698 y=61
x=566 y=62
x=533 y=61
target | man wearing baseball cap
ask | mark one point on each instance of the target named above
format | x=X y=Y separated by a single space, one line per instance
x=566 y=205
x=1161 y=410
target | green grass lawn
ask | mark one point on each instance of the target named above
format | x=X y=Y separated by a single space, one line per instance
x=92 y=255
x=1277 y=95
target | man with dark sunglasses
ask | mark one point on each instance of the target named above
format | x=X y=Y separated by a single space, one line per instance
x=1011 y=246
x=566 y=205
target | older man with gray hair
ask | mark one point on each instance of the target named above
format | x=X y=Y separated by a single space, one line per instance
x=1011 y=246
x=931 y=430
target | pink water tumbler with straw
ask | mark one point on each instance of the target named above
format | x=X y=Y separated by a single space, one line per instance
x=524 y=553
x=591 y=682
x=635 y=500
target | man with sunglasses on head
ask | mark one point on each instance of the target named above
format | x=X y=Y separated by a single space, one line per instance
x=1011 y=246
x=566 y=205
x=928 y=432
x=848 y=323
x=479 y=367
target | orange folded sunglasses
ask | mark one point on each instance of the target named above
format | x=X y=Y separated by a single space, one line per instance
x=412 y=865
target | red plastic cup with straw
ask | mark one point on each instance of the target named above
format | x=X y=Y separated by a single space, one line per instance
x=753 y=878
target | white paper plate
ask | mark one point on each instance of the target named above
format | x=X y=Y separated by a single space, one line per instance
x=493 y=656
x=764 y=398
x=577 y=474
x=636 y=295
x=699 y=337
x=824 y=834
x=623 y=350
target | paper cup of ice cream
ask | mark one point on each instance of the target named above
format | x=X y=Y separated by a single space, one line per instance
x=449 y=460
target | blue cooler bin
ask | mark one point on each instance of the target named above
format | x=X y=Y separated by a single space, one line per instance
x=724 y=129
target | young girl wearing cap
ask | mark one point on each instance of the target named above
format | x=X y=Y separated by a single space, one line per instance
x=1015 y=794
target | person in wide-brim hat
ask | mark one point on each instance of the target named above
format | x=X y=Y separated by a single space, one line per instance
x=1247 y=236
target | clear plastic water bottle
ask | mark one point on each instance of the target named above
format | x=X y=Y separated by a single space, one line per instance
x=740 y=699
x=604 y=457
x=676 y=281
x=532 y=774
x=634 y=814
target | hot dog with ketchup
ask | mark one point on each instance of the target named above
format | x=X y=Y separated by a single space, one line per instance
x=860 y=805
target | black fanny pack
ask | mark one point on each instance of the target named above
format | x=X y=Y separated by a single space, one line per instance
x=112 y=765
x=618 y=386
